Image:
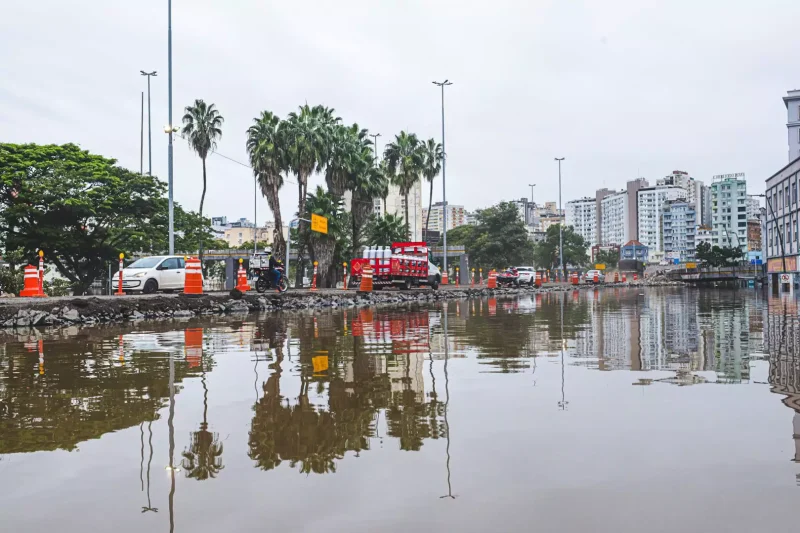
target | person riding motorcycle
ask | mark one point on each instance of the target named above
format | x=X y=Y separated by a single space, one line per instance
x=274 y=263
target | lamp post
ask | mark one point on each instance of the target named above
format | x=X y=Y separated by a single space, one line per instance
x=149 y=124
x=560 y=226
x=531 y=185
x=375 y=146
x=171 y=131
x=443 y=84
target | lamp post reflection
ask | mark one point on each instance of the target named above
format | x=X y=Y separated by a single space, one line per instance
x=447 y=401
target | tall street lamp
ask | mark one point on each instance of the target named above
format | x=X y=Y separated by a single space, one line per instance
x=561 y=225
x=531 y=185
x=443 y=84
x=172 y=130
x=375 y=146
x=149 y=124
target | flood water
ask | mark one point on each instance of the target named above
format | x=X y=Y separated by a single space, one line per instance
x=620 y=410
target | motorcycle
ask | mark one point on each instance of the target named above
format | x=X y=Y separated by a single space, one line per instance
x=508 y=277
x=265 y=282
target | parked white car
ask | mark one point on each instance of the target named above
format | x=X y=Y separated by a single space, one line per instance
x=589 y=276
x=527 y=275
x=150 y=274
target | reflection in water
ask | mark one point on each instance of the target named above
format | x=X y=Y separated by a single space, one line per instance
x=330 y=385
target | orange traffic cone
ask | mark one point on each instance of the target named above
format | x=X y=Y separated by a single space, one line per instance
x=193 y=281
x=314 y=279
x=31 y=288
x=575 y=279
x=472 y=278
x=492 y=280
x=480 y=277
x=596 y=277
x=538 y=279
x=616 y=277
x=366 y=279
x=624 y=278
x=193 y=346
x=445 y=281
x=241 y=283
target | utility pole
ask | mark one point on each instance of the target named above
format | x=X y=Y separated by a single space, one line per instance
x=443 y=84
x=560 y=226
x=531 y=185
x=171 y=131
x=141 y=141
x=149 y=124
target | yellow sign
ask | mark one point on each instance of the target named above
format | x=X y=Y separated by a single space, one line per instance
x=691 y=265
x=600 y=266
x=320 y=363
x=319 y=224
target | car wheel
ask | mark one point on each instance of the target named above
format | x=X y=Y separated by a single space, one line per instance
x=150 y=286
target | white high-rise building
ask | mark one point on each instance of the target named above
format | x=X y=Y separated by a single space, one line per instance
x=651 y=202
x=614 y=219
x=395 y=205
x=456 y=216
x=581 y=214
x=729 y=211
x=753 y=207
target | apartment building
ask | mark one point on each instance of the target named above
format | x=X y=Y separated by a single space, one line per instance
x=651 y=202
x=729 y=210
x=456 y=216
x=614 y=229
x=781 y=227
x=581 y=214
x=679 y=221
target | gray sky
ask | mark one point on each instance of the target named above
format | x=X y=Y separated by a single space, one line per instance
x=621 y=88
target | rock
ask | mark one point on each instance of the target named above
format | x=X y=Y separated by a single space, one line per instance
x=182 y=313
x=71 y=315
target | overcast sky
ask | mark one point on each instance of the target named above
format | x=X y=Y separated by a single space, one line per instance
x=620 y=88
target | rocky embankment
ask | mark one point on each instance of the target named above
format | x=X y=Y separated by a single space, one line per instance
x=18 y=313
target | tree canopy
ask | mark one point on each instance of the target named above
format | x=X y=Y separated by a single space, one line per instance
x=546 y=252
x=82 y=210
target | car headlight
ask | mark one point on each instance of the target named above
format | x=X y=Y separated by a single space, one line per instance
x=140 y=274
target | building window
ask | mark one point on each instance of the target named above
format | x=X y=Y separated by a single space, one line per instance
x=780 y=199
x=794 y=192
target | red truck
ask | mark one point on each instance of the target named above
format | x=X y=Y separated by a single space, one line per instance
x=404 y=264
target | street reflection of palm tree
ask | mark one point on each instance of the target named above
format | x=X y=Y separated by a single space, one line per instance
x=203 y=459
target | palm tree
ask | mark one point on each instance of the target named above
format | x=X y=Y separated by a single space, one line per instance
x=404 y=161
x=203 y=459
x=366 y=182
x=268 y=159
x=386 y=230
x=432 y=156
x=202 y=126
x=345 y=142
x=323 y=246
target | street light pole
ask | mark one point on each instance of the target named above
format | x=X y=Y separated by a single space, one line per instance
x=171 y=130
x=375 y=146
x=443 y=84
x=531 y=185
x=561 y=225
x=141 y=141
x=149 y=124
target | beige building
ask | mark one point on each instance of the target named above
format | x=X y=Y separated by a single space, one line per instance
x=236 y=236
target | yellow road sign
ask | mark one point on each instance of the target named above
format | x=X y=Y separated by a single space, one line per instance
x=320 y=363
x=600 y=266
x=691 y=265
x=319 y=224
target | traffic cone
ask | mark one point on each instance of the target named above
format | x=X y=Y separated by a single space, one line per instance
x=596 y=278
x=624 y=278
x=457 y=276
x=314 y=279
x=344 y=282
x=31 y=289
x=193 y=346
x=538 y=279
x=492 y=280
x=366 y=279
x=575 y=279
x=241 y=283
x=193 y=281
x=472 y=278
x=445 y=281
x=635 y=276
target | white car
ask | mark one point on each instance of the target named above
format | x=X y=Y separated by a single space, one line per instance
x=150 y=274
x=526 y=275
x=589 y=276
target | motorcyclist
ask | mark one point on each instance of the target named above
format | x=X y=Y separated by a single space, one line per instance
x=274 y=263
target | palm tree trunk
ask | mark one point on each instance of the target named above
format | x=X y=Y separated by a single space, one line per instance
x=384 y=205
x=278 y=243
x=408 y=228
x=202 y=201
x=428 y=218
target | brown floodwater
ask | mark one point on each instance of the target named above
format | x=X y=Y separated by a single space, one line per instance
x=624 y=410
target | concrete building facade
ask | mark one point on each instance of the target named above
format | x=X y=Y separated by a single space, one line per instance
x=581 y=214
x=651 y=202
x=792 y=103
x=783 y=211
x=456 y=216
x=729 y=211
x=633 y=187
x=679 y=229
x=614 y=228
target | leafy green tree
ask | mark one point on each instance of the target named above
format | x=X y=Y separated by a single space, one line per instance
x=267 y=151
x=460 y=235
x=80 y=208
x=500 y=239
x=432 y=156
x=545 y=253
x=383 y=231
x=404 y=162
x=704 y=254
x=610 y=258
x=202 y=126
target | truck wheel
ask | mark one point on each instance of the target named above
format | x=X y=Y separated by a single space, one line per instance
x=406 y=284
x=435 y=284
